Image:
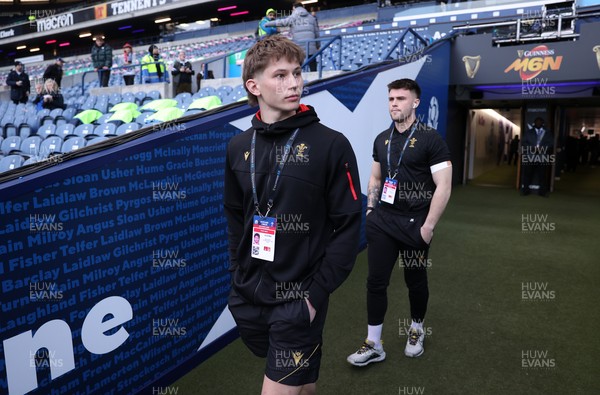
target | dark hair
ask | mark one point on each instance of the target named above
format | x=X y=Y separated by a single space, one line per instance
x=151 y=48
x=407 y=84
x=263 y=52
x=298 y=4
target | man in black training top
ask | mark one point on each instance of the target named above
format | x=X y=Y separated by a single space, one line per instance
x=409 y=187
x=294 y=182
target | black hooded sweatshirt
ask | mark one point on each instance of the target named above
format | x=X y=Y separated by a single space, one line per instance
x=317 y=205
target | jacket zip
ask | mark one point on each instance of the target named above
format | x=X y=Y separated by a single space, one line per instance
x=350 y=181
x=268 y=182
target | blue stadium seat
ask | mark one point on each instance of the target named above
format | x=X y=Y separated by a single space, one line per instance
x=141 y=119
x=140 y=96
x=154 y=95
x=183 y=96
x=31 y=146
x=10 y=130
x=43 y=113
x=33 y=159
x=193 y=111
x=65 y=131
x=114 y=98
x=103 y=118
x=48 y=129
x=12 y=143
x=25 y=130
x=84 y=130
x=128 y=98
x=73 y=144
x=11 y=162
x=56 y=112
x=106 y=129
x=50 y=146
x=69 y=113
x=102 y=106
x=96 y=140
x=127 y=128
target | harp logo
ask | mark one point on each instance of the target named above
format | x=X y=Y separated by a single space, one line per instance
x=531 y=63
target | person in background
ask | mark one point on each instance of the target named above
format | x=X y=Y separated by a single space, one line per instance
x=413 y=161
x=128 y=59
x=303 y=27
x=537 y=147
x=55 y=71
x=18 y=80
x=199 y=77
x=264 y=31
x=182 y=74
x=153 y=67
x=50 y=96
x=102 y=60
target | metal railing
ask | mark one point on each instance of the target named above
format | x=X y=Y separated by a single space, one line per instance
x=403 y=48
x=138 y=76
x=329 y=44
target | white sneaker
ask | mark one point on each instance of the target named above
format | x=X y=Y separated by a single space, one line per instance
x=366 y=354
x=414 y=344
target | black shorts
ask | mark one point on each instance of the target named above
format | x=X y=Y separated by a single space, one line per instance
x=284 y=335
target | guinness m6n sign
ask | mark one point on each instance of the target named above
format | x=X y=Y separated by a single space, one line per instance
x=529 y=64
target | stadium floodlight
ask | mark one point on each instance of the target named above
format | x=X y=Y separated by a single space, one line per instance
x=51 y=42
x=83 y=35
x=21 y=47
x=309 y=1
x=34 y=49
x=162 y=20
x=239 y=13
x=214 y=19
x=64 y=44
x=231 y=7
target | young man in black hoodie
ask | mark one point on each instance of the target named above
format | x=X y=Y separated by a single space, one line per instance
x=294 y=182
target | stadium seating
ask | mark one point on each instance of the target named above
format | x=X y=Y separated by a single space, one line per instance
x=31 y=146
x=50 y=146
x=10 y=144
x=73 y=144
x=127 y=128
x=11 y=162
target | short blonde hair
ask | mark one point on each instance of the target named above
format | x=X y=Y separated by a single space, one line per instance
x=261 y=54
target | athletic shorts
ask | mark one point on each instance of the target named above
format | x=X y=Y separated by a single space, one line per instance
x=284 y=335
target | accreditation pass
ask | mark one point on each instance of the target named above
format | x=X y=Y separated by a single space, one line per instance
x=263 y=238
x=389 y=190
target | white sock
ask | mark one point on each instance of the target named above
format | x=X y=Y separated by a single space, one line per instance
x=374 y=334
x=417 y=325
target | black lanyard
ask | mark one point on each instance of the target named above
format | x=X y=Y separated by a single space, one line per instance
x=389 y=150
x=281 y=165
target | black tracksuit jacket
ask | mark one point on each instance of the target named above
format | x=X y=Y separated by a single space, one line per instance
x=318 y=188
